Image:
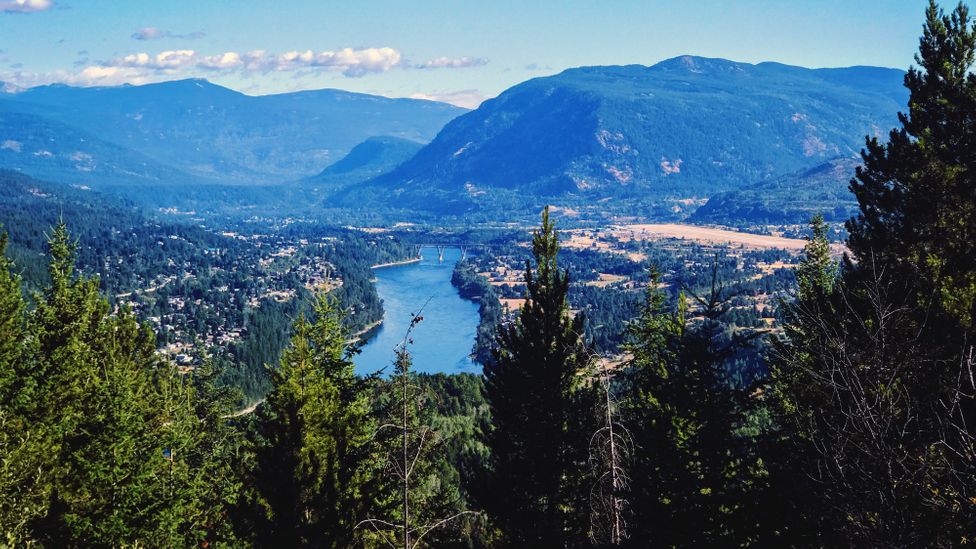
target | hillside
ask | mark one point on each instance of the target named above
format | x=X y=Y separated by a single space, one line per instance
x=52 y=150
x=788 y=200
x=374 y=156
x=686 y=127
x=104 y=225
x=212 y=133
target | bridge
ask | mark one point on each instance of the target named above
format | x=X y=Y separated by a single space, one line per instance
x=441 y=246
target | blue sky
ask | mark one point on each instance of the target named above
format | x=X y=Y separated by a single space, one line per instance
x=460 y=51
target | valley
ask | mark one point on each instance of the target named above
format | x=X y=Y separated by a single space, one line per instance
x=243 y=237
x=475 y=275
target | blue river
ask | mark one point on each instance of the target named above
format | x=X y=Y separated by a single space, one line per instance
x=442 y=342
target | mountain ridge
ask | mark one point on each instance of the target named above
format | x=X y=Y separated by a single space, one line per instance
x=685 y=127
x=212 y=133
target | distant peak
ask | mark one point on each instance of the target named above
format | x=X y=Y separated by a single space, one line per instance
x=699 y=65
x=202 y=82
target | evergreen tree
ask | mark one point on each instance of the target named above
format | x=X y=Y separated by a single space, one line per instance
x=87 y=420
x=817 y=272
x=12 y=321
x=313 y=465
x=216 y=455
x=90 y=388
x=693 y=470
x=917 y=192
x=536 y=454
x=796 y=393
x=874 y=375
x=22 y=494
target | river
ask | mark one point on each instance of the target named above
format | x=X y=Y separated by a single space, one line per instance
x=443 y=340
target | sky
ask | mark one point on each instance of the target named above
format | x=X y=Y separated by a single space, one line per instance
x=458 y=51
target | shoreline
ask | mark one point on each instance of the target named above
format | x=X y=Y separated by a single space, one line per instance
x=369 y=327
x=397 y=263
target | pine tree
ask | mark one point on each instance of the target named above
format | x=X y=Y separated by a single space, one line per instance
x=875 y=372
x=216 y=457
x=692 y=469
x=22 y=492
x=817 y=272
x=796 y=393
x=917 y=192
x=90 y=391
x=12 y=322
x=530 y=388
x=313 y=460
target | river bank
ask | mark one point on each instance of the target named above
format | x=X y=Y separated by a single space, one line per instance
x=397 y=263
x=442 y=343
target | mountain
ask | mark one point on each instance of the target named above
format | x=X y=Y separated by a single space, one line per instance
x=372 y=157
x=211 y=133
x=687 y=127
x=52 y=150
x=788 y=200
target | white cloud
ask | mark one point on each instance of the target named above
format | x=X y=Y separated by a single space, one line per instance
x=468 y=99
x=25 y=6
x=225 y=61
x=155 y=33
x=169 y=60
x=452 y=63
x=144 y=67
x=348 y=61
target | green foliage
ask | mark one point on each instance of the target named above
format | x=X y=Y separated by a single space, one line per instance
x=817 y=272
x=313 y=467
x=100 y=436
x=916 y=192
x=471 y=285
x=695 y=476
x=873 y=380
x=530 y=388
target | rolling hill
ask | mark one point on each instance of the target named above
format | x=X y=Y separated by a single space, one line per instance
x=374 y=156
x=51 y=150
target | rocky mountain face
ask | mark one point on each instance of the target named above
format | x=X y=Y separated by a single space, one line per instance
x=688 y=127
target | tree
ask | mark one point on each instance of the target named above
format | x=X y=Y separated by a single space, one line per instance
x=530 y=385
x=12 y=321
x=418 y=507
x=693 y=467
x=817 y=272
x=611 y=447
x=21 y=492
x=214 y=455
x=917 y=193
x=88 y=417
x=313 y=464
x=874 y=374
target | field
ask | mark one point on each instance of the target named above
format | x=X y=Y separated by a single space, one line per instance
x=601 y=239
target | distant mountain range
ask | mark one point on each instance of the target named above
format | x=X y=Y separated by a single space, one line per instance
x=647 y=141
x=688 y=127
x=193 y=131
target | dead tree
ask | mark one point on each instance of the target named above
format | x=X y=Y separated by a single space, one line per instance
x=610 y=450
x=887 y=415
x=413 y=437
